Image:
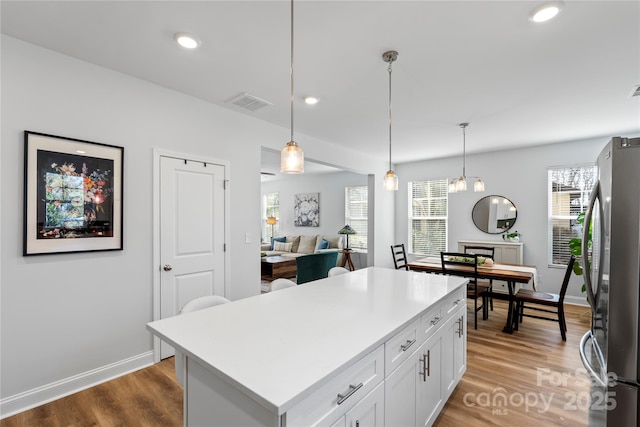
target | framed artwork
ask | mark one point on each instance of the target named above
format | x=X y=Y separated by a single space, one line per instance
x=306 y=210
x=72 y=195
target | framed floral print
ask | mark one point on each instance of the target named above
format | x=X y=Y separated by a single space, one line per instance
x=73 y=195
x=306 y=210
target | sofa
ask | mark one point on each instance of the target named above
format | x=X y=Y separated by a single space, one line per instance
x=295 y=246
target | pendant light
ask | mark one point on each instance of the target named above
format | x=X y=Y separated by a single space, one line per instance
x=292 y=156
x=390 y=178
x=460 y=184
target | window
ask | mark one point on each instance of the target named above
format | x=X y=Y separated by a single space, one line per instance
x=356 y=214
x=569 y=189
x=271 y=209
x=428 y=201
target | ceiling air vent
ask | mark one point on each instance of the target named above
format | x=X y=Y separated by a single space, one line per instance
x=248 y=102
x=635 y=92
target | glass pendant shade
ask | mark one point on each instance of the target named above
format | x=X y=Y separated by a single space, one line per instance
x=452 y=186
x=292 y=158
x=391 y=181
x=461 y=184
x=478 y=186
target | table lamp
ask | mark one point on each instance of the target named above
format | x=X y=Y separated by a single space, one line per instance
x=271 y=220
x=347 y=230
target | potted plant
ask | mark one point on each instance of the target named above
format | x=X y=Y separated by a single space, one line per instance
x=511 y=237
x=575 y=247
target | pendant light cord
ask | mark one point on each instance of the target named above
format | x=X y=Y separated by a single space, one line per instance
x=291 y=70
x=464 y=150
x=390 y=62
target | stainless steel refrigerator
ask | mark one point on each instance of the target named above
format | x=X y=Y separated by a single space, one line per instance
x=610 y=350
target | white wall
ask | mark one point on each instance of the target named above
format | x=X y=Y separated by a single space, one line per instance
x=332 y=208
x=71 y=319
x=521 y=176
x=331 y=188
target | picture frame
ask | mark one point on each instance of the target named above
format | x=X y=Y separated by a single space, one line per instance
x=73 y=193
x=306 y=210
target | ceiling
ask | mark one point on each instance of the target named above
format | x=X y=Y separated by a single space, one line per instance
x=516 y=82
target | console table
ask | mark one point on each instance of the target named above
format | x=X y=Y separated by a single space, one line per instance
x=371 y=347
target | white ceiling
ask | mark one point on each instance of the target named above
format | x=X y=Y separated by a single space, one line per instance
x=483 y=62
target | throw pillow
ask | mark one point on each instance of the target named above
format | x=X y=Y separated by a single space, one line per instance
x=277 y=239
x=323 y=244
x=334 y=241
x=307 y=244
x=295 y=241
x=282 y=247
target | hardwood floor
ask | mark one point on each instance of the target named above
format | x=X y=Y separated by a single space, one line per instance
x=525 y=379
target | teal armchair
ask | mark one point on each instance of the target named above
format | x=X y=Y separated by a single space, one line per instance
x=315 y=266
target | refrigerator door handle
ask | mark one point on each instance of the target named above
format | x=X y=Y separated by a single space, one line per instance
x=583 y=342
x=586 y=268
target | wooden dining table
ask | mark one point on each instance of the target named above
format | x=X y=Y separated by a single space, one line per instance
x=511 y=274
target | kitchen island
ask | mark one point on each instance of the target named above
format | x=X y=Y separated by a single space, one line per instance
x=371 y=347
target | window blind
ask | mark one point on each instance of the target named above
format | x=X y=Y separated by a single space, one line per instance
x=356 y=214
x=569 y=189
x=428 y=204
x=271 y=207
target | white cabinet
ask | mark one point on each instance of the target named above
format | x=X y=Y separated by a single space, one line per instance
x=332 y=401
x=369 y=412
x=429 y=393
x=418 y=388
x=454 y=351
x=504 y=253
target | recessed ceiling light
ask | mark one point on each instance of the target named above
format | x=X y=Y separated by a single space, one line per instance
x=187 y=41
x=546 y=11
x=311 y=100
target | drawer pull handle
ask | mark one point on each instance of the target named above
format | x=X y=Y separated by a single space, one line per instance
x=352 y=389
x=436 y=320
x=408 y=344
x=456 y=302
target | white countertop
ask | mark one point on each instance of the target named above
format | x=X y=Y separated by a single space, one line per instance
x=278 y=345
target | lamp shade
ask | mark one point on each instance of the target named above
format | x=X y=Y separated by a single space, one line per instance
x=271 y=220
x=347 y=230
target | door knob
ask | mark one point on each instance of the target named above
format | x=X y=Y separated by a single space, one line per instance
x=167 y=267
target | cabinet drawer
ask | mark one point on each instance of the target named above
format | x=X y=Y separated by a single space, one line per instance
x=341 y=393
x=454 y=301
x=398 y=348
x=431 y=321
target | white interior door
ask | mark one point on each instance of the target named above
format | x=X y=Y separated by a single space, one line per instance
x=192 y=225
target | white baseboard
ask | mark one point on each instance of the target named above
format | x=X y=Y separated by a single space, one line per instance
x=53 y=391
x=568 y=299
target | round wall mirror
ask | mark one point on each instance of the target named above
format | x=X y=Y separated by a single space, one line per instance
x=494 y=214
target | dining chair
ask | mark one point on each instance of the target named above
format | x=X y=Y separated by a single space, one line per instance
x=315 y=266
x=191 y=306
x=552 y=303
x=399 y=257
x=280 y=284
x=486 y=252
x=453 y=264
x=335 y=271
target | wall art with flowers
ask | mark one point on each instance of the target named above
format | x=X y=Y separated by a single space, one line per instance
x=73 y=195
x=306 y=210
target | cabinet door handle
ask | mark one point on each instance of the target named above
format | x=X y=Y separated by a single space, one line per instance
x=428 y=358
x=408 y=344
x=423 y=374
x=436 y=320
x=352 y=389
x=460 y=326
